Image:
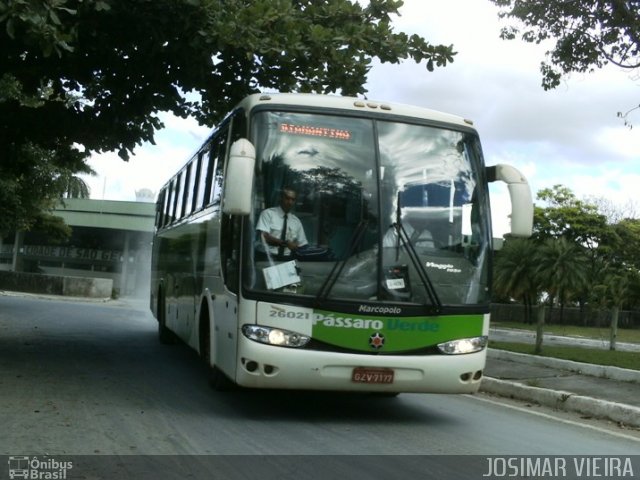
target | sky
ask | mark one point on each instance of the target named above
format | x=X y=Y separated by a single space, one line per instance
x=570 y=136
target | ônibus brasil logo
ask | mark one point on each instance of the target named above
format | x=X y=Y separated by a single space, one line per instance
x=23 y=466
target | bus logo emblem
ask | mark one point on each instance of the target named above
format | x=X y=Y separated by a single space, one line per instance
x=376 y=341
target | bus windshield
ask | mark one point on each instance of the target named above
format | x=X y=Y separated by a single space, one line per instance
x=390 y=211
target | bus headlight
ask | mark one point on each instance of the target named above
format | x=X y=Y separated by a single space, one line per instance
x=463 y=345
x=275 y=336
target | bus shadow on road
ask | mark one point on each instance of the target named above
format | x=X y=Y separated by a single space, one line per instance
x=322 y=406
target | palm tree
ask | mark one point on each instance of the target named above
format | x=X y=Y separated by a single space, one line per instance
x=514 y=273
x=561 y=270
x=612 y=293
x=562 y=267
x=73 y=186
x=523 y=268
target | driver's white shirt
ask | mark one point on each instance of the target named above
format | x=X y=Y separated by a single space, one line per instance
x=271 y=221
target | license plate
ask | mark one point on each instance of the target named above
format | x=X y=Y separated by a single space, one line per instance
x=372 y=375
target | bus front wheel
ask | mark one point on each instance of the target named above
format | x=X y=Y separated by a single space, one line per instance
x=217 y=379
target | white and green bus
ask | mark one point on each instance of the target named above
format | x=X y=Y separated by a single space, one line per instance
x=390 y=294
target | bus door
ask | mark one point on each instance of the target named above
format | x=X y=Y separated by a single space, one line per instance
x=225 y=304
x=225 y=311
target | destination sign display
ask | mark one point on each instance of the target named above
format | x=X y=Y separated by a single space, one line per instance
x=315 y=131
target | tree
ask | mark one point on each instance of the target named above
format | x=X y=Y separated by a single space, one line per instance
x=627 y=243
x=578 y=221
x=616 y=287
x=585 y=34
x=82 y=76
x=562 y=267
x=525 y=268
x=31 y=187
x=568 y=217
x=517 y=273
x=514 y=273
x=73 y=186
x=615 y=212
x=612 y=293
x=575 y=253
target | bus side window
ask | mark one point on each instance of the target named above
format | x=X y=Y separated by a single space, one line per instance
x=218 y=176
x=168 y=206
x=196 y=201
x=203 y=171
x=177 y=207
x=160 y=209
x=187 y=201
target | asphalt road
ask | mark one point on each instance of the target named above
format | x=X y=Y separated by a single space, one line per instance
x=82 y=378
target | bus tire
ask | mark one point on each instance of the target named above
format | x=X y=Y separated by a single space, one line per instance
x=166 y=336
x=217 y=379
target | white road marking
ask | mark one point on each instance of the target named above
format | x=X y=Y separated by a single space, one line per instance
x=555 y=418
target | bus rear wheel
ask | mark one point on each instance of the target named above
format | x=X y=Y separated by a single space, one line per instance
x=166 y=336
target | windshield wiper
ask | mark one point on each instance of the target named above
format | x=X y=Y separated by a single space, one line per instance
x=335 y=272
x=403 y=238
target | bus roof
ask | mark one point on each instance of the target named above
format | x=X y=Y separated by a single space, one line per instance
x=351 y=104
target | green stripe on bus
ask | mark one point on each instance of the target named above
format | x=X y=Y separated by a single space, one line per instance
x=394 y=334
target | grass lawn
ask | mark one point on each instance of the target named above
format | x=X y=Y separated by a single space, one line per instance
x=578 y=354
x=624 y=334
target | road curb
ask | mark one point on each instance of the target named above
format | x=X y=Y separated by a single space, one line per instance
x=561 y=400
x=60 y=298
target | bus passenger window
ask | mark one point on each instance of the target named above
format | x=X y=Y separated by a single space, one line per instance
x=188 y=191
x=160 y=209
x=197 y=173
x=218 y=175
x=178 y=196
x=168 y=211
x=203 y=168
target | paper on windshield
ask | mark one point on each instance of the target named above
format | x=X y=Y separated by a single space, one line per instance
x=281 y=275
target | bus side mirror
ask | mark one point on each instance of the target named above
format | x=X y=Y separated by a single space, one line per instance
x=239 y=178
x=520 y=194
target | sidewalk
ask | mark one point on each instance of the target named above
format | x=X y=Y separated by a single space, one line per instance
x=605 y=392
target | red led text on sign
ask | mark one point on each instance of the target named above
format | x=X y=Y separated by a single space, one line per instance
x=308 y=130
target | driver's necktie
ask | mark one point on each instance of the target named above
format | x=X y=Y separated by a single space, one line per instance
x=283 y=236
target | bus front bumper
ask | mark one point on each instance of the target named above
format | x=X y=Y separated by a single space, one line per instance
x=267 y=366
